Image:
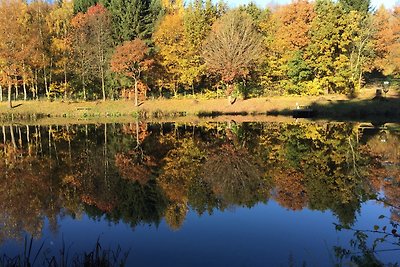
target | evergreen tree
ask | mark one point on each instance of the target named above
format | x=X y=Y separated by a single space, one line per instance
x=83 y=5
x=362 y=6
x=133 y=18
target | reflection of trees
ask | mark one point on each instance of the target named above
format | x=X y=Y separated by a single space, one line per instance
x=134 y=166
x=208 y=175
x=181 y=169
x=383 y=150
x=384 y=173
x=314 y=165
x=118 y=186
x=289 y=191
x=89 y=169
x=234 y=176
x=136 y=203
x=139 y=173
x=27 y=194
x=175 y=215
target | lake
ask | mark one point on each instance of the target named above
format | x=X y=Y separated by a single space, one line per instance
x=201 y=194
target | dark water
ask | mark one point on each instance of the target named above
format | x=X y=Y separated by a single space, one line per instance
x=216 y=194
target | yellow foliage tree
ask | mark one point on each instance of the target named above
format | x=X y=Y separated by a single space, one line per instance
x=172 y=50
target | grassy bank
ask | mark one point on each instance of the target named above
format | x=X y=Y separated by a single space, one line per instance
x=152 y=108
x=331 y=106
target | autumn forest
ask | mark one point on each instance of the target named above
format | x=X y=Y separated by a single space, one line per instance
x=112 y=49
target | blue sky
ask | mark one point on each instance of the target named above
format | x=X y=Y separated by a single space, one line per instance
x=263 y=3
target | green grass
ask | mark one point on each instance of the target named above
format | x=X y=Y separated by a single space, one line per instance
x=328 y=106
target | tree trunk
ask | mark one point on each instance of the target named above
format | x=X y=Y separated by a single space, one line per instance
x=33 y=91
x=84 y=87
x=229 y=91
x=36 y=86
x=160 y=90
x=16 y=90
x=45 y=83
x=9 y=95
x=28 y=140
x=12 y=136
x=24 y=86
x=24 y=80
x=50 y=70
x=4 y=135
x=136 y=93
x=19 y=137
x=103 y=87
x=137 y=133
x=1 y=93
x=65 y=81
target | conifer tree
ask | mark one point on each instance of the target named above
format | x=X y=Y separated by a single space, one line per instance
x=83 y=5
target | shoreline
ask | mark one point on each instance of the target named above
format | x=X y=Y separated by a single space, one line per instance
x=329 y=107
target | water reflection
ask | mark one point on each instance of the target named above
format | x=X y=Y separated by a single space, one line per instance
x=141 y=173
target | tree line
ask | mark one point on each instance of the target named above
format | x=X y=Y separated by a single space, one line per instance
x=109 y=49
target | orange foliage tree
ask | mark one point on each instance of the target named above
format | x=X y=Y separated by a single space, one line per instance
x=12 y=21
x=386 y=41
x=131 y=59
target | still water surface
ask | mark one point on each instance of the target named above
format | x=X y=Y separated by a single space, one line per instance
x=214 y=194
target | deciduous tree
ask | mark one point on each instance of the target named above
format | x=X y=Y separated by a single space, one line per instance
x=233 y=48
x=81 y=46
x=12 y=21
x=99 y=22
x=386 y=41
x=132 y=59
x=59 y=24
x=171 y=43
x=198 y=18
x=328 y=54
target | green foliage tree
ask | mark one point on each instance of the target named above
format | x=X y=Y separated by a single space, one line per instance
x=83 y=5
x=362 y=6
x=133 y=18
x=198 y=19
x=329 y=53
